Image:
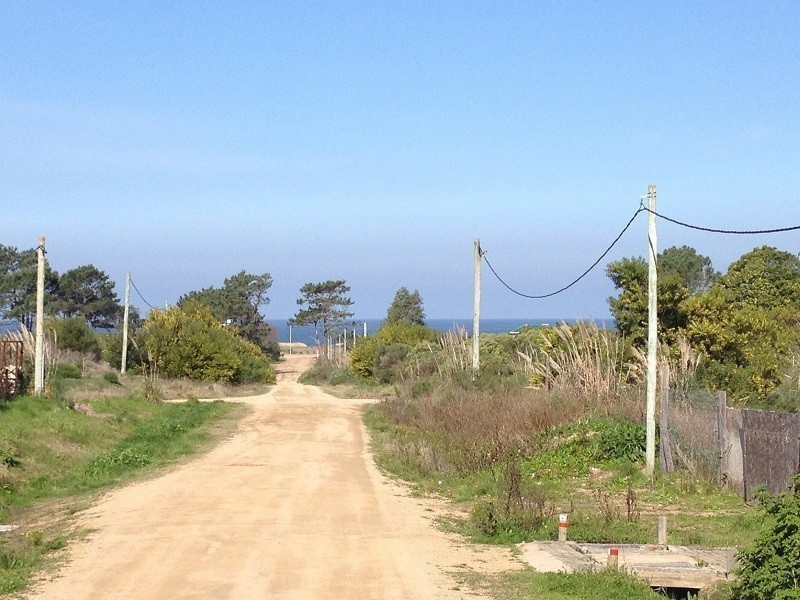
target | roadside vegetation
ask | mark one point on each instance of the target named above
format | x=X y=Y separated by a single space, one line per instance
x=553 y=422
x=95 y=428
x=53 y=458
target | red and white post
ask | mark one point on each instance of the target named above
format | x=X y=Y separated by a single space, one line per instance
x=563 y=524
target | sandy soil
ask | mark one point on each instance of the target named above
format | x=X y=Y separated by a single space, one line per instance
x=291 y=506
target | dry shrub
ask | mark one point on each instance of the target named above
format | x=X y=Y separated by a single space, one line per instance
x=467 y=430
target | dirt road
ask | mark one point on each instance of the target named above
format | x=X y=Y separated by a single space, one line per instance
x=292 y=506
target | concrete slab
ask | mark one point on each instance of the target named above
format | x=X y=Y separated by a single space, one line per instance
x=661 y=566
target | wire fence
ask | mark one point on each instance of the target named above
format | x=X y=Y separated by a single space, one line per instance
x=693 y=432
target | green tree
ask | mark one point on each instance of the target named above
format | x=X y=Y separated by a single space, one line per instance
x=694 y=270
x=765 y=277
x=18 y=270
x=746 y=324
x=326 y=307
x=239 y=304
x=629 y=309
x=406 y=308
x=88 y=292
x=73 y=333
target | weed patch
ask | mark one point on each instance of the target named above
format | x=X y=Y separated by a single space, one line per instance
x=600 y=585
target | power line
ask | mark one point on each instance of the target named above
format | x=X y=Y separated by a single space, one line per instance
x=140 y=295
x=581 y=276
x=726 y=231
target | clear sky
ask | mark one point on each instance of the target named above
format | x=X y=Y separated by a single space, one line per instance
x=372 y=142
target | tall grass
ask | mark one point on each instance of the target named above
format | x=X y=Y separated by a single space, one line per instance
x=584 y=361
x=455 y=356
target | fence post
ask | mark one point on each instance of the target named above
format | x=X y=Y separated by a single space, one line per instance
x=722 y=420
x=666 y=447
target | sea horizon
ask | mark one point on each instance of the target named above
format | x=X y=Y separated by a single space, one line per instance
x=305 y=334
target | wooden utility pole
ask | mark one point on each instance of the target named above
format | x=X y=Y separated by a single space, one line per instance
x=652 y=333
x=124 y=363
x=476 y=311
x=38 y=364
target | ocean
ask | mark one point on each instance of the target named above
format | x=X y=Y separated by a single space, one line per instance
x=306 y=334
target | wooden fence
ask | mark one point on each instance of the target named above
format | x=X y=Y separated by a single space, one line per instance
x=11 y=352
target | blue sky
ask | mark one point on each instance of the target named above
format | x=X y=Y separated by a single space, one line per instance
x=371 y=142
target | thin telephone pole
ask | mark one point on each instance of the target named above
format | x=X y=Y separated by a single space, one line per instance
x=476 y=312
x=124 y=363
x=652 y=333
x=38 y=365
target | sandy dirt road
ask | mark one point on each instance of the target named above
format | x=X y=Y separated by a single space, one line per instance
x=291 y=506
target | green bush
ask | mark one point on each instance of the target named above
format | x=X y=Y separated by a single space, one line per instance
x=111 y=377
x=405 y=333
x=362 y=356
x=112 y=352
x=67 y=371
x=620 y=440
x=75 y=334
x=383 y=355
x=771 y=568
x=188 y=341
x=389 y=359
x=572 y=450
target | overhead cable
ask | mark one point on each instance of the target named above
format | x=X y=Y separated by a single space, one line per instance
x=581 y=276
x=726 y=231
x=140 y=295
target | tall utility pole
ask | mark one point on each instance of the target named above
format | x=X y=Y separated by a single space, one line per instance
x=652 y=333
x=476 y=311
x=124 y=363
x=38 y=364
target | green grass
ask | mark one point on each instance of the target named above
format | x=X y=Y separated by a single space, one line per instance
x=51 y=454
x=601 y=585
x=562 y=477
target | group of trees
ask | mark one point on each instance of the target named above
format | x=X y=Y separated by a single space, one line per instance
x=85 y=291
x=210 y=334
x=238 y=304
x=744 y=323
x=382 y=354
x=215 y=334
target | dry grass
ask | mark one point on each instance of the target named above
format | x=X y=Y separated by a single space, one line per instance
x=94 y=386
x=466 y=430
x=456 y=354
